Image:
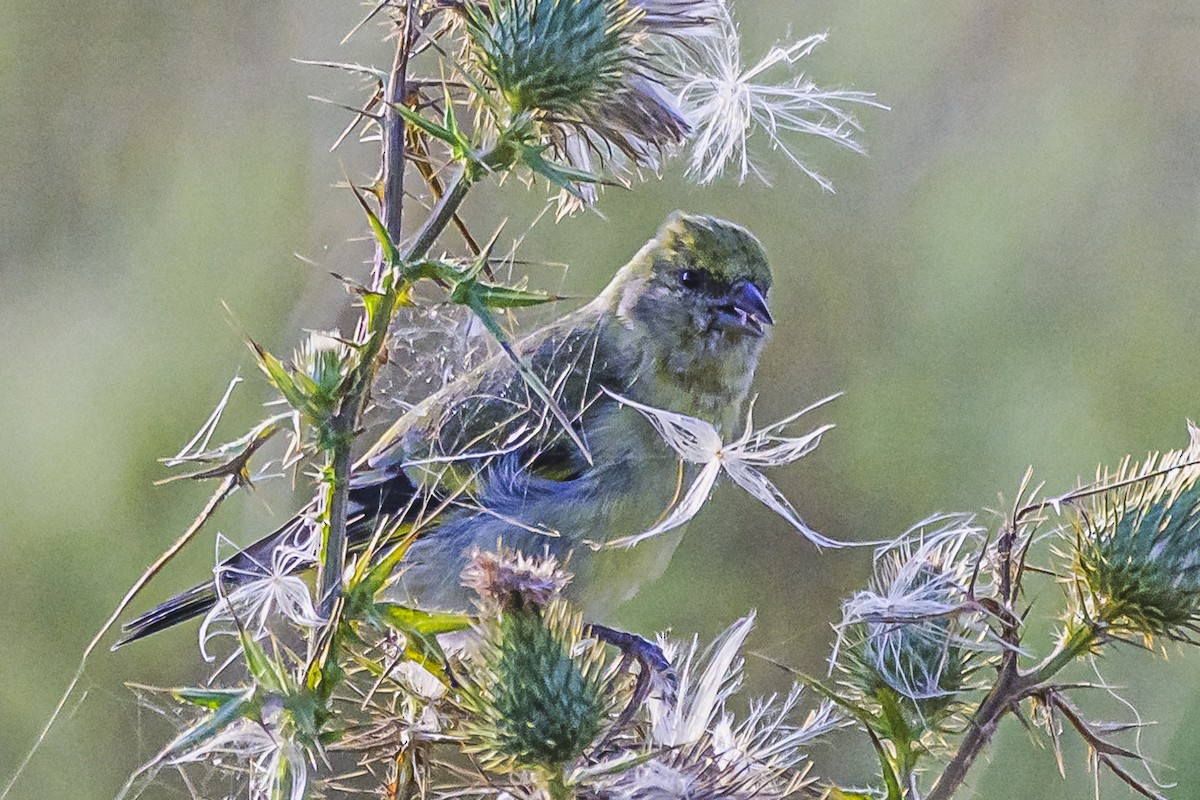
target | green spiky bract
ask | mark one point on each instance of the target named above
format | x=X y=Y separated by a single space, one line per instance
x=1141 y=559
x=556 y=56
x=537 y=701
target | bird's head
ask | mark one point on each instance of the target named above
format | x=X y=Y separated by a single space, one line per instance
x=695 y=295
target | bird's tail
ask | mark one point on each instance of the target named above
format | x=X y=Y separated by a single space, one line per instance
x=199 y=599
x=374 y=495
x=180 y=608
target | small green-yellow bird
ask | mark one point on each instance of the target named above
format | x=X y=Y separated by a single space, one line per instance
x=680 y=327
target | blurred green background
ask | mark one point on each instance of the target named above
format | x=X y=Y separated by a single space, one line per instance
x=1010 y=278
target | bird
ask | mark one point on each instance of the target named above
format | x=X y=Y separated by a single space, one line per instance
x=482 y=461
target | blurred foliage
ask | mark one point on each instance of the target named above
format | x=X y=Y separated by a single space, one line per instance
x=1010 y=278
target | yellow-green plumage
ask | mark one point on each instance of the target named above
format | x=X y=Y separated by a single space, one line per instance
x=679 y=327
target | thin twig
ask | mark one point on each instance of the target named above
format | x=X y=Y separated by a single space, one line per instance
x=227 y=487
x=394 y=130
x=340 y=460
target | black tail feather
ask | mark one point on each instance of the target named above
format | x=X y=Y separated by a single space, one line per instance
x=199 y=599
x=372 y=494
x=181 y=607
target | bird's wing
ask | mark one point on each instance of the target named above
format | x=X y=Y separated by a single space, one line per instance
x=447 y=441
x=476 y=429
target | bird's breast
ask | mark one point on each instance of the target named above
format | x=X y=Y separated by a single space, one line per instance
x=633 y=481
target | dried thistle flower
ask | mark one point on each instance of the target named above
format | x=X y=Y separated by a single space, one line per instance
x=1138 y=546
x=702 y=750
x=683 y=715
x=679 y=17
x=612 y=87
x=761 y=758
x=266 y=748
x=264 y=591
x=725 y=102
x=507 y=579
x=914 y=631
x=699 y=442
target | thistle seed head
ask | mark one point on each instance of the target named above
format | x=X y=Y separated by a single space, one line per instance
x=539 y=691
x=1138 y=546
x=912 y=634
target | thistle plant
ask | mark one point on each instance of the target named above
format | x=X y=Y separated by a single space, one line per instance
x=539 y=691
x=935 y=653
x=339 y=682
x=1138 y=548
x=911 y=641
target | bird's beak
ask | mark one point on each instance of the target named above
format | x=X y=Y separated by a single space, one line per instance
x=743 y=309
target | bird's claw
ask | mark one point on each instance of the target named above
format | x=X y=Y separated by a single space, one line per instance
x=655 y=671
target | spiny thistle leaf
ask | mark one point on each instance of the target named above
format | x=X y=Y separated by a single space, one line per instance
x=420 y=630
x=270 y=676
x=279 y=376
x=472 y=292
x=391 y=255
x=212 y=699
x=312 y=385
x=372 y=576
x=559 y=175
x=241 y=707
x=448 y=133
x=836 y=793
x=870 y=722
x=429 y=623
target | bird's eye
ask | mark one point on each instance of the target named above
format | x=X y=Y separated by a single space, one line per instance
x=690 y=278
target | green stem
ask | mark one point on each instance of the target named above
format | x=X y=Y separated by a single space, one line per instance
x=1077 y=643
x=373 y=335
x=558 y=788
x=334 y=546
x=372 y=332
x=443 y=214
